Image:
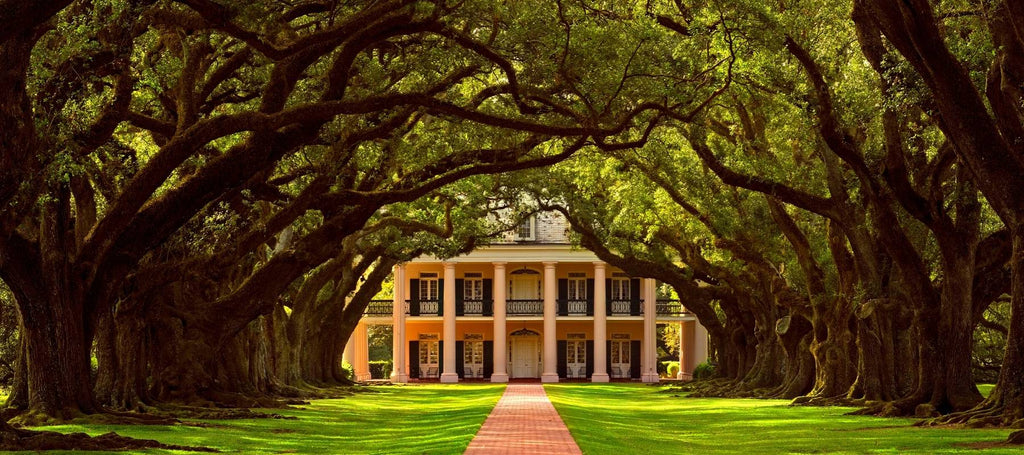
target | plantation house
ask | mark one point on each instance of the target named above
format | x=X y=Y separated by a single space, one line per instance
x=530 y=306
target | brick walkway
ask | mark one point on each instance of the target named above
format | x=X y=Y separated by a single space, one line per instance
x=523 y=422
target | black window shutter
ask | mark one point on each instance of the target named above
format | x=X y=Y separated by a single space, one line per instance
x=440 y=358
x=563 y=297
x=608 y=357
x=488 y=297
x=562 y=359
x=608 y=299
x=460 y=297
x=590 y=358
x=590 y=298
x=414 y=359
x=460 y=358
x=414 y=302
x=488 y=358
x=634 y=297
x=634 y=359
x=440 y=297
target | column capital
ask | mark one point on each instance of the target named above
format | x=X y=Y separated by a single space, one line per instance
x=600 y=264
x=448 y=264
x=499 y=264
x=549 y=264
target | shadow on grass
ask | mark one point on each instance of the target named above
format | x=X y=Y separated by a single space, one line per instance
x=612 y=418
x=398 y=419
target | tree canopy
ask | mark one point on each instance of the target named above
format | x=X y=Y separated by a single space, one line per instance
x=206 y=194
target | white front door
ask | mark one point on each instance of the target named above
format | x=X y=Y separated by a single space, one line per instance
x=524 y=357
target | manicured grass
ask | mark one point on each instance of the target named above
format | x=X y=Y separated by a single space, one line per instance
x=985 y=389
x=396 y=419
x=636 y=418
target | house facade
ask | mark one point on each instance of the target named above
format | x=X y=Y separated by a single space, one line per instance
x=531 y=306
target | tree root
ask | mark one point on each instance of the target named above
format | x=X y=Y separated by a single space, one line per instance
x=20 y=439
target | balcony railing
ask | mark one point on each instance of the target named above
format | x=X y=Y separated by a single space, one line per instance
x=575 y=307
x=524 y=308
x=379 y=308
x=477 y=307
x=671 y=307
x=622 y=308
x=424 y=308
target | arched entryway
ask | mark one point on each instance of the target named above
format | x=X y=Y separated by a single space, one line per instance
x=524 y=361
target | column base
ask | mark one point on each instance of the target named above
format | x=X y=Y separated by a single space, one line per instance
x=499 y=377
x=600 y=377
x=362 y=377
x=549 y=377
x=449 y=378
x=397 y=378
x=684 y=376
x=649 y=378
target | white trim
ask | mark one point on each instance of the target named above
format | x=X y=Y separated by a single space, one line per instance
x=519 y=253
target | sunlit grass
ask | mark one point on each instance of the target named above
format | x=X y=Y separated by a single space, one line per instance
x=985 y=389
x=396 y=419
x=635 y=418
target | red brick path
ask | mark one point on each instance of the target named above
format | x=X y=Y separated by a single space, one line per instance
x=523 y=422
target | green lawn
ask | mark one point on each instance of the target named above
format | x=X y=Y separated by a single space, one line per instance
x=397 y=419
x=635 y=418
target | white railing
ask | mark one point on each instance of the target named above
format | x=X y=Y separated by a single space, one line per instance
x=577 y=307
x=620 y=306
x=428 y=307
x=525 y=307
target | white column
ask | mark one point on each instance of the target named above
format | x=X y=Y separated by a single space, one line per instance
x=600 y=325
x=683 y=373
x=349 y=356
x=700 y=344
x=649 y=347
x=448 y=373
x=398 y=374
x=550 y=313
x=362 y=354
x=499 y=287
x=686 y=363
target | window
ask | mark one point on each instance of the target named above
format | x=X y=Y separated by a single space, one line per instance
x=428 y=358
x=577 y=286
x=473 y=354
x=428 y=286
x=620 y=359
x=473 y=287
x=620 y=286
x=576 y=352
x=524 y=231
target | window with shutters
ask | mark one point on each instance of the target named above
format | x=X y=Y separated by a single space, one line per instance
x=620 y=286
x=473 y=286
x=428 y=286
x=577 y=286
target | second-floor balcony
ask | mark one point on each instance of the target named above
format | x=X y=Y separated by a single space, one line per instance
x=527 y=307
x=379 y=308
x=671 y=308
x=524 y=307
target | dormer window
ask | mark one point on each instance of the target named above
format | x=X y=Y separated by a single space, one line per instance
x=526 y=229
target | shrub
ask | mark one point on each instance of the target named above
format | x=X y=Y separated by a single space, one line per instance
x=380 y=369
x=704 y=370
x=672 y=369
x=348 y=371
